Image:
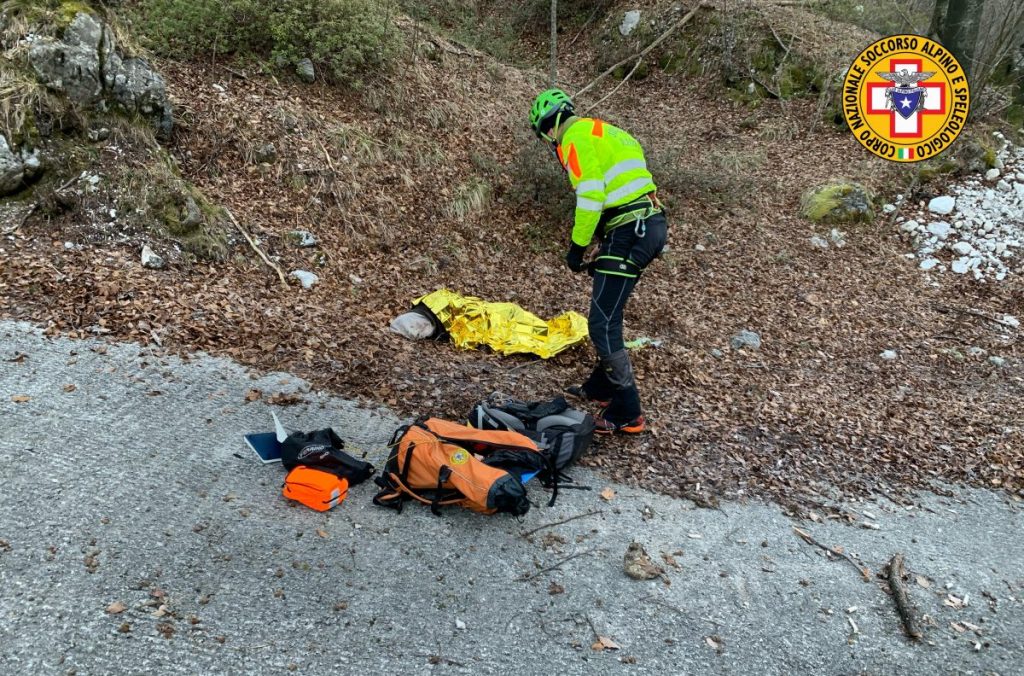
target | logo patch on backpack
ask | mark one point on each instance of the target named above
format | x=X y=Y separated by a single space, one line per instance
x=459 y=457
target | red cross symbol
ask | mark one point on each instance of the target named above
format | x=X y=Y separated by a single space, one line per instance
x=934 y=103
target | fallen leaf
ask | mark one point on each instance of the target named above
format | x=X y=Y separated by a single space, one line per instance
x=959 y=628
x=125 y=628
x=605 y=643
x=116 y=607
x=321 y=532
x=556 y=588
x=70 y=387
x=954 y=602
x=18 y=358
x=253 y=394
x=20 y=398
x=670 y=560
x=715 y=642
x=608 y=494
x=284 y=399
x=923 y=581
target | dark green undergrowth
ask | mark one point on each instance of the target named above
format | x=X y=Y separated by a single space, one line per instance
x=347 y=39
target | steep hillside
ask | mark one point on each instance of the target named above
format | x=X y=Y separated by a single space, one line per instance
x=426 y=177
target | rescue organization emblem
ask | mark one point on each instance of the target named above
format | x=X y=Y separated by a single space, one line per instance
x=459 y=457
x=906 y=98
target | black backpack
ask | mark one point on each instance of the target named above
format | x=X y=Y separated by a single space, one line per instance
x=324 y=450
x=562 y=433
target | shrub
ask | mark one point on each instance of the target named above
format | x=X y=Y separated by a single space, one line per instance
x=344 y=37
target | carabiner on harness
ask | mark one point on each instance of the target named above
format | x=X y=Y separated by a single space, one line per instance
x=640 y=229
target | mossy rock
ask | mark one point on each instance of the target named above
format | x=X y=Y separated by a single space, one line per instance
x=838 y=203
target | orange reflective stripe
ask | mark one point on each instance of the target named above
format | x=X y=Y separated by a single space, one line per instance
x=598 y=128
x=572 y=163
x=560 y=157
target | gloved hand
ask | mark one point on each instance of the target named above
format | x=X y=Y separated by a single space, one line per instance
x=574 y=258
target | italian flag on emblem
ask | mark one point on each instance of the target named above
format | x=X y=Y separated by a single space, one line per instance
x=905 y=153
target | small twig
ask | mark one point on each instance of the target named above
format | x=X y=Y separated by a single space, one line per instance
x=328 y=156
x=906 y=198
x=644 y=51
x=266 y=259
x=834 y=552
x=899 y=594
x=617 y=87
x=973 y=313
x=559 y=523
x=567 y=559
x=532 y=362
x=779 y=40
x=437 y=659
x=236 y=72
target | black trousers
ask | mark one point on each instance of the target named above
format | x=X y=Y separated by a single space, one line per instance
x=624 y=253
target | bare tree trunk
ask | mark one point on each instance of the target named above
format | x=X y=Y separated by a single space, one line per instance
x=958 y=31
x=938 y=18
x=554 y=42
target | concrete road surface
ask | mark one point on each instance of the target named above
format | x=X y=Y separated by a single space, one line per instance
x=126 y=486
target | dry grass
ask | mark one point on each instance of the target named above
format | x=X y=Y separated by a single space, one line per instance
x=473 y=197
x=22 y=99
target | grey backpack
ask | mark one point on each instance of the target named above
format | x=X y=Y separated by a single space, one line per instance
x=562 y=432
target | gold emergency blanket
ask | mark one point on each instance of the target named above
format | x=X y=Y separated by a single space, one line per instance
x=504 y=327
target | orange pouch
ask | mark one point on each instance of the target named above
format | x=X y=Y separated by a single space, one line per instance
x=314 y=488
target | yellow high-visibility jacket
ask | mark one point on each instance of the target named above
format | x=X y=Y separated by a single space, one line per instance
x=606 y=168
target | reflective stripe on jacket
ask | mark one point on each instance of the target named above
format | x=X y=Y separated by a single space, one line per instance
x=607 y=169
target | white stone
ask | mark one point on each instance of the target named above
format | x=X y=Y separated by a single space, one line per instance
x=837 y=237
x=630 y=20
x=306 y=278
x=819 y=242
x=975 y=351
x=888 y=355
x=996 y=361
x=889 y=208
x=939 y=228
x=150 y=259
x=929 y=263
x=909 y=226
x=991 y=174
x=304 y=238
x=1003 y=185
x=960 y=266
x=963 y=248
x=942 y=205
x=1010 y=320
x=700 y=247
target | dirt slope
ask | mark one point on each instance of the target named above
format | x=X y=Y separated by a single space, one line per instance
x=417 y=183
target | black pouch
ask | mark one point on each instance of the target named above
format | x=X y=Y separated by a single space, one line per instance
x=324 y=450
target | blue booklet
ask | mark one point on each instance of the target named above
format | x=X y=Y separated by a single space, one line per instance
x=265 y=445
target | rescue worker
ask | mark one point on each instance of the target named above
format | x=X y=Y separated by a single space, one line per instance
x=616 y=201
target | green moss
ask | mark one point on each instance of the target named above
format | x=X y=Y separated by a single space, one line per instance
x=989 y=157
x=1015 y=115
x=838 y=203
x=68 y=10
x=931 y=169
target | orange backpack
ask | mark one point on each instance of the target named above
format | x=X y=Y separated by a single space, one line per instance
x=315 y=488
x=437 y=462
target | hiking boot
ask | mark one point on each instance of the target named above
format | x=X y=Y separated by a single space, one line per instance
x=605 y=426
x=577 y=392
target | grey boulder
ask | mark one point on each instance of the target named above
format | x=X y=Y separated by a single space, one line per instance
x=86 y=66
x=16 y=167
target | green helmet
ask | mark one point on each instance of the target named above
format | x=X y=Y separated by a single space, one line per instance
x=549 y=104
